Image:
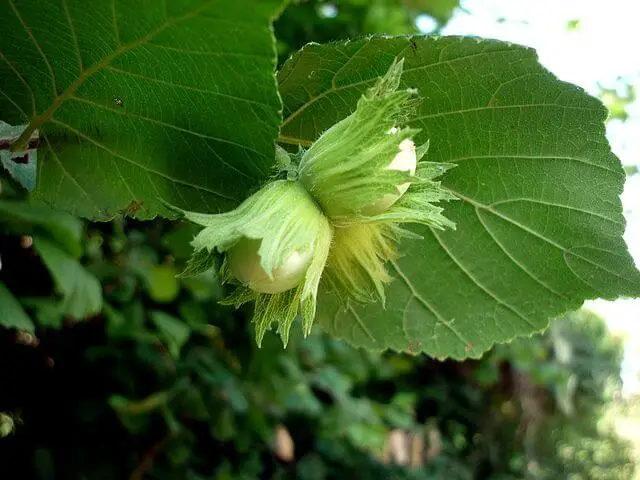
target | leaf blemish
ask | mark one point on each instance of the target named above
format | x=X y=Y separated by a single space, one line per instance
x=133 y=207
x=21 y=159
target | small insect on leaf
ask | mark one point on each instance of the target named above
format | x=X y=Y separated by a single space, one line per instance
x=118 y=101
x=414 y=46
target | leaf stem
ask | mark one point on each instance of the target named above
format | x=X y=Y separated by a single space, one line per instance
x=294 y=141
x=22 y=142
x=148 y=459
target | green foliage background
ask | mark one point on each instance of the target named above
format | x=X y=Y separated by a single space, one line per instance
x=131 y=373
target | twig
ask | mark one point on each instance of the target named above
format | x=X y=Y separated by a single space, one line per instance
x=148 y=459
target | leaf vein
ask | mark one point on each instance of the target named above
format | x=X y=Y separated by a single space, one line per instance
x=164 y=124
x=66 y=172
x=534 y=233
x=428 y=306
x=344 y=65
x=29 y=33
x=479 y=284
x=371 y=80
x=531 y=157
x=18 y=107
x=71 y=89
x=500 y=107
x=74 y=36
x=559 y=205
x=24 y=82
x=515 y=79
x=508 y=254
x=116 y=29
x=205 y=52
x=139 y=165
x=185 y=87
x=361 y=324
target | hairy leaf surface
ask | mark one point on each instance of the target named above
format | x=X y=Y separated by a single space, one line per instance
x=138 y=102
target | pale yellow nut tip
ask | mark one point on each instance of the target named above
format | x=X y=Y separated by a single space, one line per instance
x=404 y=161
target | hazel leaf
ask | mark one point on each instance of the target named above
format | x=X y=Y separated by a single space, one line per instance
x=140 y=103
x=539 y=221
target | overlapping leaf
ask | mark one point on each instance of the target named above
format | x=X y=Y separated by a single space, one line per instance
x=81 y=291
x=138 y=102
x=539 y=221
x=11 y=313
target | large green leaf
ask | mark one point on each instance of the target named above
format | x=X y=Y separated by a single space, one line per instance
x=138 y=101
x=539 y=220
